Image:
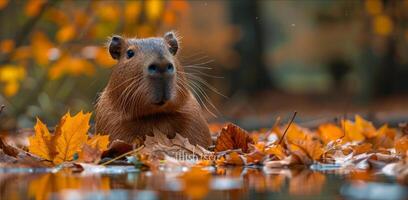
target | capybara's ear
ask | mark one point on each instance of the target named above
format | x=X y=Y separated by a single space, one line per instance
x=116 y=46
x=171 y=40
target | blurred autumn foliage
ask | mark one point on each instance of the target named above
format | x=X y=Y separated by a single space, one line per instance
x=46 y=46
x=53 y=59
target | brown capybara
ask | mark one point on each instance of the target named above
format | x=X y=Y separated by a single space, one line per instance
x=147 y=92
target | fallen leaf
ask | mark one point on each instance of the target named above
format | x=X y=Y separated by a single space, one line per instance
x=7 y=149
x=352 y=132
x=365 y=127
x=329 y=132
x=89 y=154
x=362 y=148
x=74 y=133
x=401 y=145
x=40 y=143
x=233 y=137
x=117 y=148
x=99 y=142
x=276 y=150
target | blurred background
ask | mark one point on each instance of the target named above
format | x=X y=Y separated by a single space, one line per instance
x=325 y=59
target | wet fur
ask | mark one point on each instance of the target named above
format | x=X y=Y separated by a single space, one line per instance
x=124 y=109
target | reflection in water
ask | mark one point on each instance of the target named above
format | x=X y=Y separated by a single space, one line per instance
x=228 y=183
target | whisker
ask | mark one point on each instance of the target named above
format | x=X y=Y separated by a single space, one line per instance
x=203 y=63
x=202 y=102
x=130 y=79
x=202 y=81
x=206 y=97
x=197 y=67
x=197 y=72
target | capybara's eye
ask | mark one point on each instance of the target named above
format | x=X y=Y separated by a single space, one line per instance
x=130 y=53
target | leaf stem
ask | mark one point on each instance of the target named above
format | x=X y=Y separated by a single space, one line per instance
x=123 y=155
x=287 y=128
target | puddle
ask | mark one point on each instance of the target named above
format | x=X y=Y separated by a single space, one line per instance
x=224 y=183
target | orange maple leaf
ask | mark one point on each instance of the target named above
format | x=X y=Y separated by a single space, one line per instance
x=70 y=137
x=329 y=132
x=365 y=127
x=40 y=141
x=74 y=133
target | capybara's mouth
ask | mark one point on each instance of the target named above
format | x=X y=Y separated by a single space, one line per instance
x=160 y=103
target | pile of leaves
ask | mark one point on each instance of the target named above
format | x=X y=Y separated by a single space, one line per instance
x=346 y=146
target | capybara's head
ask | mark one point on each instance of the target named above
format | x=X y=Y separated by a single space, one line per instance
x=148 y=77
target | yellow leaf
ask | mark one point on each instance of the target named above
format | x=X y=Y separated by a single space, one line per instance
x=40 y=142
x=66 y=33
x=100 y=142
x=73 y=136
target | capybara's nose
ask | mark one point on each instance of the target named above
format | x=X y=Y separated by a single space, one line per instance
x=160 y=69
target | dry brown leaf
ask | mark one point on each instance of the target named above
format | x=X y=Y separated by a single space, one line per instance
x=233 y=137
x=7 y=149
x=117 y=148
x=179 y=146
x=89 y=154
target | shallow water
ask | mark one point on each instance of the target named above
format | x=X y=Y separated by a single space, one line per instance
x=224 y=183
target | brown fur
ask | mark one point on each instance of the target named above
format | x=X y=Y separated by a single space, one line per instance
x=125 y=110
